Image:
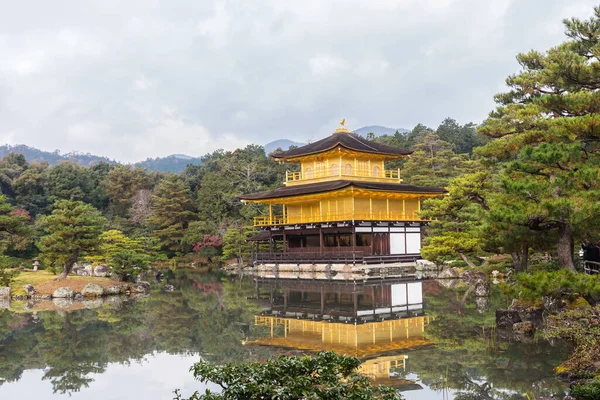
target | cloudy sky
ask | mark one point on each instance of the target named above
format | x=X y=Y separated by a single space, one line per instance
x=131 y=79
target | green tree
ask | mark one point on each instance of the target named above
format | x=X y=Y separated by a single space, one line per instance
x=128 y=264
x=66 y=181
x=235 y=244
x=113 y=241
x=72 y=230
x=433 y=163
x=324 y=376
x=548 y=153
x=11 y=167
x=122 y=183
x=464 y=138
x=13 y=231
x=30 y=189
x=125 y=256
x=456 y=226
x=171 y=212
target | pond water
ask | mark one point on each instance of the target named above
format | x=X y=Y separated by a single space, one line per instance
x=410 y=334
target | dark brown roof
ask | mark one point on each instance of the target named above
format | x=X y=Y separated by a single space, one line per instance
x=260 y=236
x=344 y=139
x=329 y=186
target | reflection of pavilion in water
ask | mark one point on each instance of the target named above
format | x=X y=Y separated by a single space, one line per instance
x=376 y=321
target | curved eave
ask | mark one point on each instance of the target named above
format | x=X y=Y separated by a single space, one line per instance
x=335 y=187
x=297 y=157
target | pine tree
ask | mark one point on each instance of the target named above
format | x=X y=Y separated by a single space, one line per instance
x=235 y=244
x=433 y=163
x=171 y=212
x=72 y=230
x=456 y=227
x=547 y=131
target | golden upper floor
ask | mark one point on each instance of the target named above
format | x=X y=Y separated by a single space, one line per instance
x=342 y=155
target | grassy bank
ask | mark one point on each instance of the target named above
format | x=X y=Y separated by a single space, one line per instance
x=46 y=283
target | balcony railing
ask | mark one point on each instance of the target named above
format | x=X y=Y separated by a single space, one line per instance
x=373 y=174
x=336 y=217
x=303 y=257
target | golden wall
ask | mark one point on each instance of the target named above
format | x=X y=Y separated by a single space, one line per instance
x=348 y=208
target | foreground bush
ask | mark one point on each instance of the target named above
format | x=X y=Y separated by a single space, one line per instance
x=581 y=327
x=559 y=284
x=586 y=391
x=324 y=376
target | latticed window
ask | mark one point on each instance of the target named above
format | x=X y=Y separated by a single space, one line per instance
x=335 y=170
x=376 y=171
x=348 y=169
x=319 y=169
x=363 y=168
x=308 y=173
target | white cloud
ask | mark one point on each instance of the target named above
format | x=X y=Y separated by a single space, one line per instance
x=326 y=64
x=139 y=79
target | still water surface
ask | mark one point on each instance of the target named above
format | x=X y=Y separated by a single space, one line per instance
x=412 y=335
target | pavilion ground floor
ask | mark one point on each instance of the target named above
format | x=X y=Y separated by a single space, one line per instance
x=349 y=242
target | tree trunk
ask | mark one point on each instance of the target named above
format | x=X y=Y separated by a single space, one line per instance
x=521 y=258
x=565 y=246
x=69 y=265
x=466 y=259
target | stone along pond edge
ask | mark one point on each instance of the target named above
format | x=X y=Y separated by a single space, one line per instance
x=91 y=296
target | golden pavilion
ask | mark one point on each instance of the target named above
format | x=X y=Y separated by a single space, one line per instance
x=342 y=206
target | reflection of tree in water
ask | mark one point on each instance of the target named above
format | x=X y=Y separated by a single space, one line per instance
x=72 y=347
x=68 y=348
x=468 y=358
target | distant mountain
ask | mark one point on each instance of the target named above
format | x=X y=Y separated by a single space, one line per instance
x=36 y=155
x=379 y=130
x=174 y=163
x=283 y=144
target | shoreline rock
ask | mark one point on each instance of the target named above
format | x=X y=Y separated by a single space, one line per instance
x=63 y=292
x=5 y=292
x=92 y=290
x=449 y=273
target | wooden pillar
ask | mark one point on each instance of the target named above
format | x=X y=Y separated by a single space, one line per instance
x=355 y=298
x=284 y=242
x=270 y=213
x=370 y=207
x=403 y=209
x=286 y=293
x=321 y=244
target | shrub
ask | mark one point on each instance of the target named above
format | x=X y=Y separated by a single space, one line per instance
x=324 y=376
x=586 y=391
x=7 y=271
x=559 y=284
x=581 y=327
